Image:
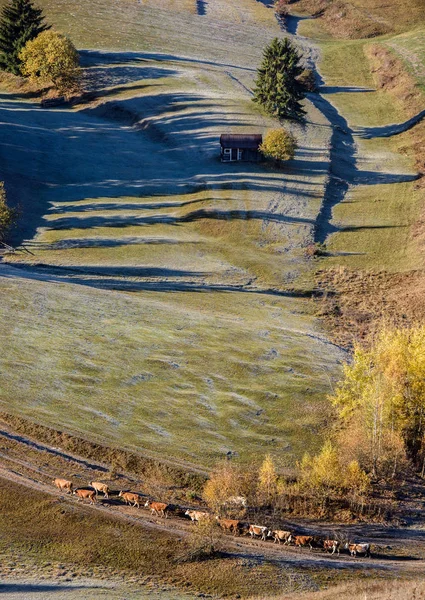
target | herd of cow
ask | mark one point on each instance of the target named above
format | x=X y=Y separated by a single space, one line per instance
x=232 y=526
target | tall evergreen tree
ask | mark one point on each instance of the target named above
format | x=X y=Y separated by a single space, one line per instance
x=277 y=89
x=20 y=22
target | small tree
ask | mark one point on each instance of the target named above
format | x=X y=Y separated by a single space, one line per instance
x=279 y=144
x=52 y=58
x=204 y=541
x=20 y=22
x=267 y=480
x=7 y=215
x=308 y=80
x=277 y=89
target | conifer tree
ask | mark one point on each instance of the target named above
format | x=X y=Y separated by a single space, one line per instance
x=20 y=22
x=277 y=89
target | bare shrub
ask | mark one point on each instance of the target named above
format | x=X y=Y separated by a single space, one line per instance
x=204 y=542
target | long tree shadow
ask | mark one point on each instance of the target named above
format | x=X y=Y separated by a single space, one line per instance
x=101 y=206
x=202 y=214
x=368 y=133
x=102 y=57
x=98 y=78
x=120 y=283
x=77 y=243
x=343 y=170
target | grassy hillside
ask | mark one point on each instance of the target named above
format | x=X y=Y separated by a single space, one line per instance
x=164 y=305
x=378 y=86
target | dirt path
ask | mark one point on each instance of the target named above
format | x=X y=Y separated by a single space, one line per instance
x=34 y=465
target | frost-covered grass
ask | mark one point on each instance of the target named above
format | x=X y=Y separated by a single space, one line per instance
x=164 y=306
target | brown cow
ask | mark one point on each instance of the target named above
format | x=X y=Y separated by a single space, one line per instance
x=157 y=508
x=278 y=535
x=100 y=487
x=63 y=484
x=85 y=494
x=130 y=498
x=196 y=515
x=331 y=545
x=355 y=549
x=303 y=540
x=258 y=531
x=232 y=525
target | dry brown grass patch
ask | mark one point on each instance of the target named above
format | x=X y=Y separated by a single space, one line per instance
x=353 y=304
x=363 y=18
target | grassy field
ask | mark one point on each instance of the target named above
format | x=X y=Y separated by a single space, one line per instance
x=376 y=217
x=163 y=307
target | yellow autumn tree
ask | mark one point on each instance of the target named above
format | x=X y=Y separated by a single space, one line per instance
x=325 y=475
x=224 y=482
x=279 y=144
x=381 y=400
x=267 y=480
x=51 y=58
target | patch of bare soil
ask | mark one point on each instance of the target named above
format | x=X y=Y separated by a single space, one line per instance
x=353 y=304
x=343 y=19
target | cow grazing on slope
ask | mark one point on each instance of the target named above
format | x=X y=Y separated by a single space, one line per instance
x=280 y=536
x=84 y=494
x=130 y=498
x=331 y=546
x=304 y=540
x=196 y=515
x=160 y=509
x=232 y=525
x=355 y=549
x=100 y=487
x=63 y=485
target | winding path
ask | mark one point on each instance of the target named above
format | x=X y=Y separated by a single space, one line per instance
x=344 y=169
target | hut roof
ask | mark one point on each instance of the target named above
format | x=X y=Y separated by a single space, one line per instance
x=249 y=141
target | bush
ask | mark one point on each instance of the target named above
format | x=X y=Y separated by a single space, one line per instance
x=204 y=542
x=315 y=250
x=52 y=58
x=279 y=145
x=224 y=482
x=7 y=215
x=325 y=476
x=280 y=8
x=308 y=80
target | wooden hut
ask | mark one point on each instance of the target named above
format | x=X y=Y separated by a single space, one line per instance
x=240 y=146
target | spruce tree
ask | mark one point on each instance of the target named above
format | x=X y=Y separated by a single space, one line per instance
x=277 y=89
x=20 y=22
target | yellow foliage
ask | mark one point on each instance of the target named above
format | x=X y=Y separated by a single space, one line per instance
x=224 y=482
x=267 y=479
x=278 y=144
x=382 y=395
x=322 y=471
x=51 y=58
x=326 y=474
